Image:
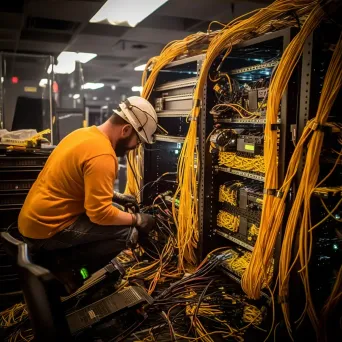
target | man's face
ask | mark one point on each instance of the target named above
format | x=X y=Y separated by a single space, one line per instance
x=124 y=145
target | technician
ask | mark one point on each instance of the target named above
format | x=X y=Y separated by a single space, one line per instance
x=70 y=204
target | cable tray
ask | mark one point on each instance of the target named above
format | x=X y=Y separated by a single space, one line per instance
x=244 y=121
x=233 y=239
x=253 y=68
x=169 y=138
x=173 y=114
x=240 y=173
x=177 y=84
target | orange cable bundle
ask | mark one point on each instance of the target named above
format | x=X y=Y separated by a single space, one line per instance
x=274 y=206
x=308 y=183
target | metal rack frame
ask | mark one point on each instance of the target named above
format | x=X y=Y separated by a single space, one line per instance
x=287 y=117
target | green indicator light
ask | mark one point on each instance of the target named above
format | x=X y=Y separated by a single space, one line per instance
x=335 y=246
x=84 y=273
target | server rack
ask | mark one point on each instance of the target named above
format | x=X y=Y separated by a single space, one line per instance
x=172 y=98
x=249 y=61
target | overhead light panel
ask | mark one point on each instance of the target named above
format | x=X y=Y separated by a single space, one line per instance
x=113 y=87
x=76 y=96
x=140 y=67
x=82 y=57
x=92 y=86
x=126 y=12
x=137 y=88
x=66 y=61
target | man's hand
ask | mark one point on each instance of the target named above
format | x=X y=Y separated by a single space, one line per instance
x=144 y=222
x=127 y=201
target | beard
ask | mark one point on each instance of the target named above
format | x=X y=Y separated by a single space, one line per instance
x=121 y=147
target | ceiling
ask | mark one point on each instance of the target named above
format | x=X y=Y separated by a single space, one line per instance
x=51 y=26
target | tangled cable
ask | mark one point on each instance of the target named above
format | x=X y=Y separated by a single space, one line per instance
x=228 y=221
x=229 y=192
x=233 y=160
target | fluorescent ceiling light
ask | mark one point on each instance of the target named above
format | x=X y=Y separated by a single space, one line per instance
x=43 y=82
x=107 y=98
x=67 y=59
x=126 y=12
x=140 y=67
x=76 y=96
x=113 y=87
x=94 y=98
x=137 y=88
x=82 y=57
x=92 y=86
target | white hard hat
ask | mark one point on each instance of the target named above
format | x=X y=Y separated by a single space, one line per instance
x=141 y=115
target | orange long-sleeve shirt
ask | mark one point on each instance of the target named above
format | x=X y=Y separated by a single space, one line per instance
x=78 y=177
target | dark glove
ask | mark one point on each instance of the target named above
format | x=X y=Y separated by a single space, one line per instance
x=127 y=201
x=144 y=222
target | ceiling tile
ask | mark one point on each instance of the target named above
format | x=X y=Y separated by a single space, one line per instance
x=79 y=11
x=105 y=30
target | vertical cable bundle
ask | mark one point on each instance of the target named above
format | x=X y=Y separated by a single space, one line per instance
x=273 y=206
x=134 y=177
x=301 y=205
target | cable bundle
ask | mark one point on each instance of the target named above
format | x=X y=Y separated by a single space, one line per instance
x=252 y=314
x=238 y=263
x=13 y=315
x=243 y=113
x=160 y=247
x=326 y=190
x=253 y=232
x=301 y=206
x=274 y=206
x=134 y=172
x=231 y=159
x=228 y=221
x=229 y=193
x=201 y=306
x=22 y=336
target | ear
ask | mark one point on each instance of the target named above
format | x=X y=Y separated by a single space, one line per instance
x=126 y=130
